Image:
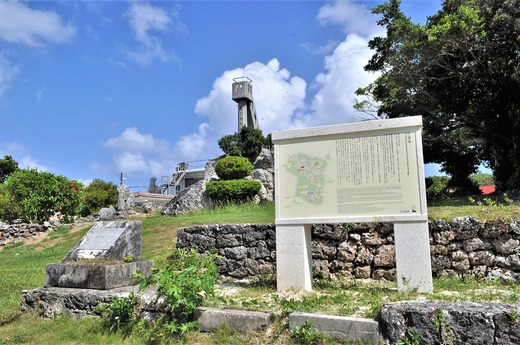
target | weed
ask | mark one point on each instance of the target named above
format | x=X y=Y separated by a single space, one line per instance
x=514 y=312
x=184 y=283
x=412 y=338
x=119 y=314
x=440 y=321
x=306 y=334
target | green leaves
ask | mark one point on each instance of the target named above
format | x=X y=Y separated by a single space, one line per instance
x=184 y=283
x=34 y=196
x=99 y=194
x=459 y=71
x=234 y=191
x=233 y=167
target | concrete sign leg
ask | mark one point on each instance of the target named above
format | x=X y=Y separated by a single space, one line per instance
x=412 y=257
x=293 y=257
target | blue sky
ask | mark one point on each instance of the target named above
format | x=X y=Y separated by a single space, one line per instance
x=90 y=89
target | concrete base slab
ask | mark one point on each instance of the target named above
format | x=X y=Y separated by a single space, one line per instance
x=95 y=276
x=240 y=320
x=340 y=327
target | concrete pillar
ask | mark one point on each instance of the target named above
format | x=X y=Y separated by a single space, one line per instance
x=293 y=257
x=412 y=256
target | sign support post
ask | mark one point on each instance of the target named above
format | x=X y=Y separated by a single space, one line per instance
x=412 y=257
x=293 y=257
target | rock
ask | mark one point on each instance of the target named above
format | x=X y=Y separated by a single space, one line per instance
x=334 y=232
x=364 y=256
x=464 y=323
x=266 y=178
x=484 y=257
x=265 y=160
x=321 y=269
x=385 y=256
x=473 y=244
x=107 y=213
x=506 y=245
x=347 y=251
x=468 y=227
x=125 y=198
x=372 y=239
x=148 y=207
x=194 y=197
x=362 y=272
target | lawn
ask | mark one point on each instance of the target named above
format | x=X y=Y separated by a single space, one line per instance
x=23 y=267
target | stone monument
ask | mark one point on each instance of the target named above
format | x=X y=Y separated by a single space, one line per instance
x=125 y=198
x=105 y=258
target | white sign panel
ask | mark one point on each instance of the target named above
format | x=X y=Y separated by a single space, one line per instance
x=367 y=171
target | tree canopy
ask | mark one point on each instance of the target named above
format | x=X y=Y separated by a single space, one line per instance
x=7 y=166
x=461 y=72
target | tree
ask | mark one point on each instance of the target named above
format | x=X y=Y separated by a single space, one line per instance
x=153 y=187
x=34 y=196
x=246 y=143
x=97 y=195
x=461 y=71
x=7 y=166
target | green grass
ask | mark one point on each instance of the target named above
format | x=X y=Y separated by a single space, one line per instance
x=23 y=267
x=485 y=208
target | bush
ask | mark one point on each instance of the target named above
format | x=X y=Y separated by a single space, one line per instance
x=7 y=166
x=97 y=195
x=482 y=179
x=34 y=196
x=251 y=142
x=246 y=143
x=184 y=283
x=230 y=144
x=436 y=186
x=234 y=191
x=233 y=168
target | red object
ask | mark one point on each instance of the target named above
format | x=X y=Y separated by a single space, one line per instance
x=487 y=189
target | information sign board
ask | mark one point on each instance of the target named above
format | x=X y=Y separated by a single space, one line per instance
x=365 y=171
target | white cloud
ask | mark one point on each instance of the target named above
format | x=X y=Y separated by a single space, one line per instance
x=321 y=49
x=133 y=141
x=352 y=17
x=137 y=153
x=28 y=162
x=21 y=24
x=20 y=153
x=145 y=19
x=7 y=73
x=277 y=96
x=334 y=100
x=192 y=145
x=280 y=101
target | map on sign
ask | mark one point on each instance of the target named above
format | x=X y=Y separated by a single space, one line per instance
x=310 y=174
x=349 y=175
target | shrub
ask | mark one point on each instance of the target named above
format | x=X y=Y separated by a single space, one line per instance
x=436 y=186
x=246 y=143
x=97 y=195
x=34 y=196
x=230 y=144
x=233 y=167
x=251 y=142
x=187 y=279
x=482 y=179
x=234 y=191
x=7 y=166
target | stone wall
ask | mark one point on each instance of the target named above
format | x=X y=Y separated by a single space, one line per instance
x=364 y=250
x=10 y=233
